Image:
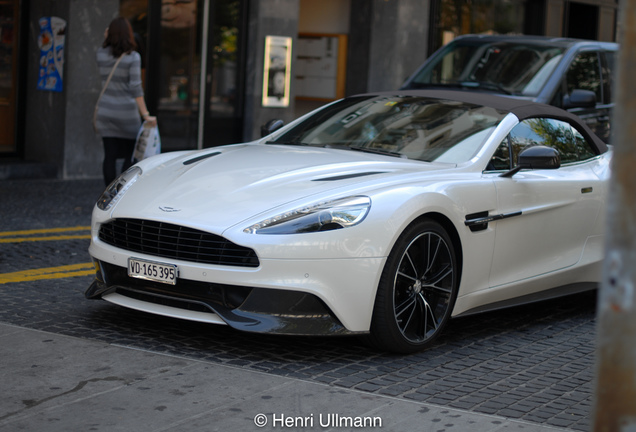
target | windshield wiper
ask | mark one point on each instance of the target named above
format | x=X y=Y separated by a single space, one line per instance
x=463 y=85
x=425 y=85
x=486 y=85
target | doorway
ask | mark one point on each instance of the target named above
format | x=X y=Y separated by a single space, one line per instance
x=581 y=21
x=9 y=19
x=193 y=67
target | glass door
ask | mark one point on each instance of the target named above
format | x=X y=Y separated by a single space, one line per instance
x=8 y=73
x=182 y=41
x=223 y=111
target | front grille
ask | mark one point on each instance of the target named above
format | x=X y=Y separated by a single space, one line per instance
x=173 y=241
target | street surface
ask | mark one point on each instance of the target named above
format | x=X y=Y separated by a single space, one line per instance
x=532 y=363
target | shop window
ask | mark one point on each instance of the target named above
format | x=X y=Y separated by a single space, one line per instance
x=175 y=67
x=451 y=18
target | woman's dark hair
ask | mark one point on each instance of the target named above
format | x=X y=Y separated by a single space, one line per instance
x=120 y=37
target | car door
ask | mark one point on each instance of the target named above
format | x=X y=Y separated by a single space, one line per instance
x=589 y=70
x=548 y=214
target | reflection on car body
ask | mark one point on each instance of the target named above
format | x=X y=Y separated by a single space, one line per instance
x=382 y=215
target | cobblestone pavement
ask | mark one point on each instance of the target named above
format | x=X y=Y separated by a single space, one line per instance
x=533 y=363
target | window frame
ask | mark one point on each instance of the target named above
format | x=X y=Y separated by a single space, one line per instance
x=513 y=157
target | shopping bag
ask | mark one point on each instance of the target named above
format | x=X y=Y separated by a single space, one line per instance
x=148 y=143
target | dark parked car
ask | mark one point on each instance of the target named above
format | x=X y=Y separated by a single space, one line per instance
x=573 y=74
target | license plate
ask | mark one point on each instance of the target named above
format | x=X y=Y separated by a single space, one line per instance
x=158 y=272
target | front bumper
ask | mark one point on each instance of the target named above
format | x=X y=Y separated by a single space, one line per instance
x=300 y=297
x=257 y=310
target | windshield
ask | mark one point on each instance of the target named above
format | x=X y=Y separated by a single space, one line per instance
x=404 y=126
x=514 y=68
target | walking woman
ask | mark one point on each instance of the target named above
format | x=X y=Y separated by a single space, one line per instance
x=121 y=105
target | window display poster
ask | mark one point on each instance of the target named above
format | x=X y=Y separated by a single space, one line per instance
x=51 y=43
x=276 y=77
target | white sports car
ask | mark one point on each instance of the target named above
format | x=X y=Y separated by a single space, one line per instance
x=381 y=214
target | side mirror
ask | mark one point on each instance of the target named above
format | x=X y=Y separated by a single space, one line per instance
x=537 y=157
x=271 y=126
x=579 y=99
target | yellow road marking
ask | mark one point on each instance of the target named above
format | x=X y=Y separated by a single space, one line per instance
x=28 y=235
x=43 y=231
x=84 y=269
x=48 y=238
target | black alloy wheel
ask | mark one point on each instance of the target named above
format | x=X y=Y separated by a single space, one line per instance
x=417 y=289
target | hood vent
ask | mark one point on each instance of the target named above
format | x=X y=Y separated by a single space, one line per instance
x=349 y=176
x=200 y=158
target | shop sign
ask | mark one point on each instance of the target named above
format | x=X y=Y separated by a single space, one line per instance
x=277 y=71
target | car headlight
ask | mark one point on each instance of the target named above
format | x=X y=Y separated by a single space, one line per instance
x=118 y=187
x=325 y=216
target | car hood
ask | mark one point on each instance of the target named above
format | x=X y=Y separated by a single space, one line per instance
x=220 y=187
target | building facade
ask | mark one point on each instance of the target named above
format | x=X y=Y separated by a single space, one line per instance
x=216 y=70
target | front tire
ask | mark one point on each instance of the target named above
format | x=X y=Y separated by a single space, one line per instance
x=417 y=289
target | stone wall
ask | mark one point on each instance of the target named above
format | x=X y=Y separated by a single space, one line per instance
x=58 y=126
x=266 y=18
x=388 y=41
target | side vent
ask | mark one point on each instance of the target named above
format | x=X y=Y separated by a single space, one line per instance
x=475 y=221
x=479 y=221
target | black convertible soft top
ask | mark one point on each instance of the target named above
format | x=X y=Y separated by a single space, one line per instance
x=523 y=109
